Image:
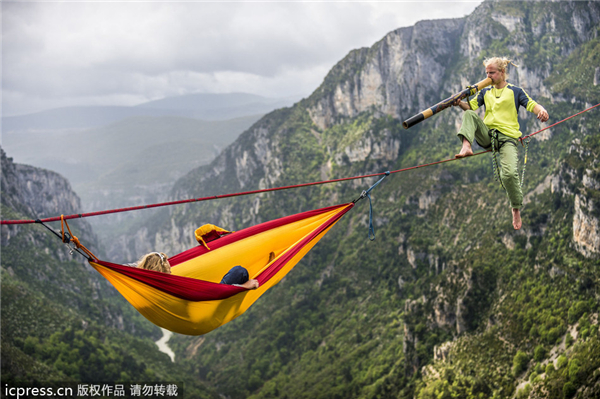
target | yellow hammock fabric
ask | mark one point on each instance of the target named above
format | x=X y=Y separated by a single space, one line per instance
x=191 y=301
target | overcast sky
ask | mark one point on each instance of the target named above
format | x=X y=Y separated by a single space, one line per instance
x=57 y=54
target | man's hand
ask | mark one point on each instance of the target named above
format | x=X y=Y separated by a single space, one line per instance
x=462 y=104
x=541 y=113
x=250 y=284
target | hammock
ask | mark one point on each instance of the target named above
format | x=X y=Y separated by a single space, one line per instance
x=191 y=301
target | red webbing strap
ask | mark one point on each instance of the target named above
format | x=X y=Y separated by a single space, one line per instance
x=561 y=121
x=186 y=201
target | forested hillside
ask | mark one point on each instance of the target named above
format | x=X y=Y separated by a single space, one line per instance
x=449 y=300
x=62 y=323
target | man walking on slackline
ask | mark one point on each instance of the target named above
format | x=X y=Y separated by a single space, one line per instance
x=500 y=123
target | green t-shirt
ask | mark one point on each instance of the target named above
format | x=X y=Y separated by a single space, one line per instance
x=502 y=108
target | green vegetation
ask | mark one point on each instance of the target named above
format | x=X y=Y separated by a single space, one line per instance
x=364 y=319
x=63 y=323
x=448 y=301
x=520 y=363
x=575 y=76
x=340 y=325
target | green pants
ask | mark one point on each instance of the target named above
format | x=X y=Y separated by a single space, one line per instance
x=473 y=128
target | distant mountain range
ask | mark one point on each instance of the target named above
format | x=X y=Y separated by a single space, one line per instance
x=115 y=156
x=169 y=146
x=206 y=106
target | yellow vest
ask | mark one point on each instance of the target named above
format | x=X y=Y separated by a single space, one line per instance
x=502 y=108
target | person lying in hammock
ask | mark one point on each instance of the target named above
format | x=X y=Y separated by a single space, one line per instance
x=159 y=262
x=237 y=275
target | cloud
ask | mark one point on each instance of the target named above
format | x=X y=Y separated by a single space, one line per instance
x=122 y=53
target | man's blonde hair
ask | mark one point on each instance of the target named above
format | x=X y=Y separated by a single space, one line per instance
x=156 y=261
x=499 y=62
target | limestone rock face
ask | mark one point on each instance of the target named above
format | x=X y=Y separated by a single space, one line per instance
x=407 y=71
x=391 y=77
x=37 y=193
x=585 y=188
x=586 y=228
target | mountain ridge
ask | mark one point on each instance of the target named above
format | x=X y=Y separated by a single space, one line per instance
x=62 y=323
x=432 y=292
x=207 y=106
x=448 y=301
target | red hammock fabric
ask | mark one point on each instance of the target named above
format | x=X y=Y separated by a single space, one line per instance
x=198 y=290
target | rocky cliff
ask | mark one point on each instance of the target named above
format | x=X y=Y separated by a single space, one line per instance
x=36 y=191
x=36 y=194
x=448 y=296
x=63 y=323
x=397 y=75
x=405 y=72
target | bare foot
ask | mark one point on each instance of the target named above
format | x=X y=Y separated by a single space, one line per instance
x=516 y=219
x=466 y=150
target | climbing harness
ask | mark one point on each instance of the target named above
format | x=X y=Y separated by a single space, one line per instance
x=496 y=164
x=526 y=145
x=495 y=151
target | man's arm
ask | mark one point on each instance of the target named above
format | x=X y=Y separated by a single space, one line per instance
x=541 y=113
x=465 y=106
x=527 y=102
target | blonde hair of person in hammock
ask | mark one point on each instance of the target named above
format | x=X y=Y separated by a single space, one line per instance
x=157 y=261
